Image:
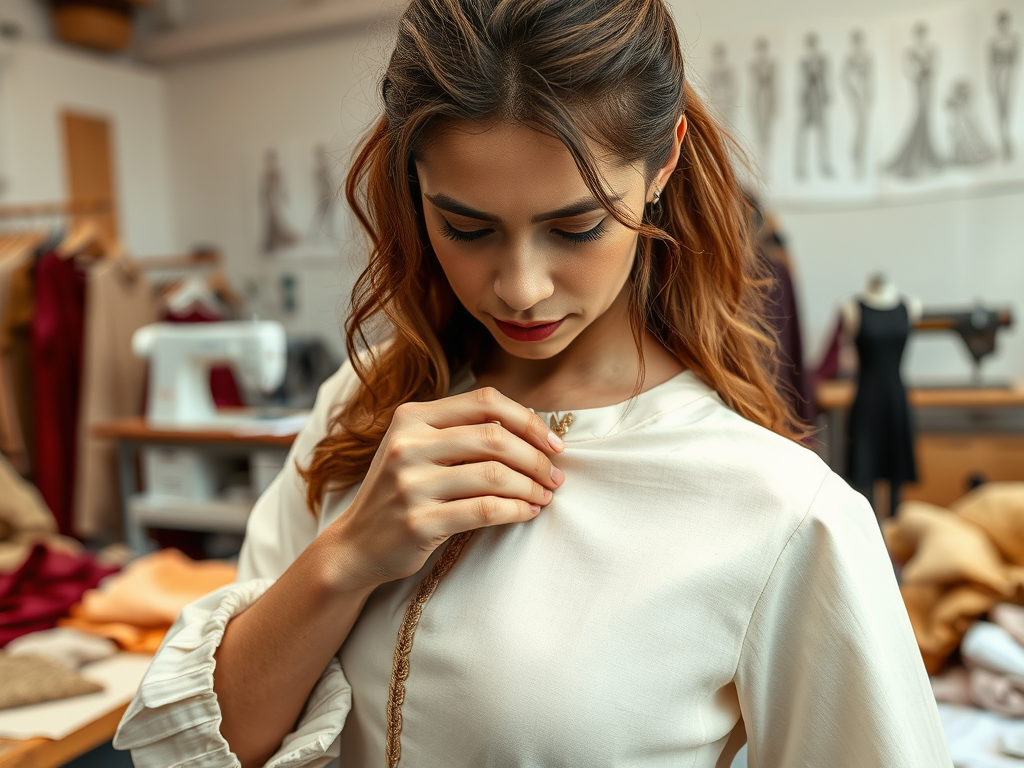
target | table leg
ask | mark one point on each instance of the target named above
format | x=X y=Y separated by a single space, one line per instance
x=134 y=532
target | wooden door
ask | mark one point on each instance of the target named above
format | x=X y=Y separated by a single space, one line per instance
x=90 y=170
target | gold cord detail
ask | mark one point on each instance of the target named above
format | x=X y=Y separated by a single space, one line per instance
x=560 y=427
x=400 y=667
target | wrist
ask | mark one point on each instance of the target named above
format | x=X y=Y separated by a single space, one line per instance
x=341 y=571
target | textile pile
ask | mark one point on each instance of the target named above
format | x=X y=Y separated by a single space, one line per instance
x=958 y=564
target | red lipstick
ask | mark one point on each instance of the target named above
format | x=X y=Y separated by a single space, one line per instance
x=528 y=331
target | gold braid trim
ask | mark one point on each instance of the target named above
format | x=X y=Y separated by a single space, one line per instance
x=400 y=668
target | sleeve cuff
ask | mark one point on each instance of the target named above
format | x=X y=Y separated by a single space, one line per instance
x=174 y=719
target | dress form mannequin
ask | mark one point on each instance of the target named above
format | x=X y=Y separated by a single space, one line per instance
x=881 y=436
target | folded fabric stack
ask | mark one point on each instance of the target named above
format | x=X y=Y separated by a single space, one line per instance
x=137 y=607
x=43 y=666
x=958 y=563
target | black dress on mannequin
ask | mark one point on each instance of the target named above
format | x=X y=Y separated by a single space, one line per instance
x=881 y=435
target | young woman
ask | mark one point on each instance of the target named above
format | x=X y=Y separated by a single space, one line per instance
x=553 y=512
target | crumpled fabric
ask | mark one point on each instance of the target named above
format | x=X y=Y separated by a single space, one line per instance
x=958 y=563
x=68 y=647
x=44 y=588
x=137 y=607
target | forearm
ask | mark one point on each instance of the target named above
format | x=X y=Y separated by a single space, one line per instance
x=272 y=654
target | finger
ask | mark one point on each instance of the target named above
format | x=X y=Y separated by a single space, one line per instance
x=480 y=512
x=488 y=404
x=484 y=478
x=492 y=442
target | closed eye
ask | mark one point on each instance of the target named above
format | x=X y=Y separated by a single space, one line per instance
x=450 y=232
x=589 y=236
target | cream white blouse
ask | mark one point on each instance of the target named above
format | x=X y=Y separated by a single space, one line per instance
x=695 y=576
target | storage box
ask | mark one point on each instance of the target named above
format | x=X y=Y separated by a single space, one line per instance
x=178 y=473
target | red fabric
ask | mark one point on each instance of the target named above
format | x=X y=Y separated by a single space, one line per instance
x=56 y=358
x=223 y=386
x=42 y=590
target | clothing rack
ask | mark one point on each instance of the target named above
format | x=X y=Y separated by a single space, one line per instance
x=70 y=208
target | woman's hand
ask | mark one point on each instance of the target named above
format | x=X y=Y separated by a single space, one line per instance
x=451 y=465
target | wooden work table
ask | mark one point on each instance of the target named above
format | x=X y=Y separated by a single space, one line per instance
x=963 y=434
x=48 y=753
x=141 y=511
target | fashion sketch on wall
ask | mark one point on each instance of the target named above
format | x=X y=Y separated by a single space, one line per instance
x=814 y=100
x=858 y=79
x=918 y=156
x=763 y=98
x=277 y=233
x=322 y=224
x=970 y=147
x=723 y=85
x=1003 y=60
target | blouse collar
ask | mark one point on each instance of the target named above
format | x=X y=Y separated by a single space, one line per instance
x=607 y=420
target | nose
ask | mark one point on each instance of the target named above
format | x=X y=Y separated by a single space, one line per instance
x=523 y=279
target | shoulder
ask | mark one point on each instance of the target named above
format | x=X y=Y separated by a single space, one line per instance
x=764 y=485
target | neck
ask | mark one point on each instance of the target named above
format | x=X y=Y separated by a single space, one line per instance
x=600 y=367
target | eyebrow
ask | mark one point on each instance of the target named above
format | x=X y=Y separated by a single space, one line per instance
x=584 y=205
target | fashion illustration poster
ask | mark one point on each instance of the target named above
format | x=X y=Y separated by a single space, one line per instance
x=830 y=124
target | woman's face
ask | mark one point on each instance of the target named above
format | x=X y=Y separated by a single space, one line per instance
x=527 y=248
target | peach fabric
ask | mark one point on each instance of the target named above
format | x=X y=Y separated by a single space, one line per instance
x=958 y=563
x=136 y=607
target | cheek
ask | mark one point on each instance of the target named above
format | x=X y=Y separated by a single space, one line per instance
x=467 y=276
x=602 y=268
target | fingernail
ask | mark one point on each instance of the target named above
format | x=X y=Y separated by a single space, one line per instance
x=535 y=508
x=555 y=441
x=548 y=495
x=557 y=475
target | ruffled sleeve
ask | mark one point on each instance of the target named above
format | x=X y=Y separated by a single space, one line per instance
x=174 y=719
x=829 y=672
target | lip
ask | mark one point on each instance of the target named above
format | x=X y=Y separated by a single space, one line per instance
x=528 y=331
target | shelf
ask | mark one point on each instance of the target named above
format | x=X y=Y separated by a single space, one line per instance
x=190 y=514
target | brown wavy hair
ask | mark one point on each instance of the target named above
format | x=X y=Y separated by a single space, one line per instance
x=592 y=73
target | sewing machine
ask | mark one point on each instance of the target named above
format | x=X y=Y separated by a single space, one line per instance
x=977 y=327
x=181 y=356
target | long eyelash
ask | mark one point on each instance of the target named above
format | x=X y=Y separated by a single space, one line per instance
x=450 y=232
x=595 y=233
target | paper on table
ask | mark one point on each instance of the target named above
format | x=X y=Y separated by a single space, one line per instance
x=278 y=426
x=119 y=675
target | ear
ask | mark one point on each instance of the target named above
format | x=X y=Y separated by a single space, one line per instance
x=661 y=177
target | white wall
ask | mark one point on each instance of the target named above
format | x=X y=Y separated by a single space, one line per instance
x=39 y=81
x=224 y=111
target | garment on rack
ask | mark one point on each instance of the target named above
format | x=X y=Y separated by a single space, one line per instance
x=118 y=301
x=57 y=338
x=784 y=315
x=42 y=590
x=15 y=252
x=16 y=348
x=881 y=435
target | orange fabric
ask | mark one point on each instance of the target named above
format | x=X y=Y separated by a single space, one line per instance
x=128 y=638
x=136 y=607
x=958 y=563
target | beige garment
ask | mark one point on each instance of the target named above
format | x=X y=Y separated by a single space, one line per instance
x=34 y=679
x=696 y=578
x=15 y=252
x=68 y=647
x=998 y=510
x=24 y=520
x=118 y=301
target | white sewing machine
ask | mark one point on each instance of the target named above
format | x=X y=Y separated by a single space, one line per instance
x=181 y=356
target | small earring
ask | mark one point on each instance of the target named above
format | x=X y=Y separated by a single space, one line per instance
x=657 y=197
